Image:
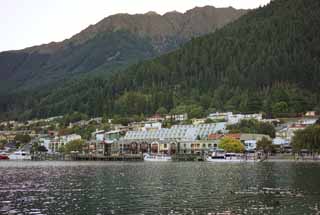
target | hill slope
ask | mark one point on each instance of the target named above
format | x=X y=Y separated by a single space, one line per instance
x=114 y=42
x=268 y=60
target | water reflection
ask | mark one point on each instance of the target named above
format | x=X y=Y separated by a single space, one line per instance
x=163 y=188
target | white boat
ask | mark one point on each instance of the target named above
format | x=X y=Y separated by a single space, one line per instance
x=20 y=155
x=156 y=157
x=228 y=158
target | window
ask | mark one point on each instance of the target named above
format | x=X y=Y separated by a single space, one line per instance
x=203 y=145
x=165 y=145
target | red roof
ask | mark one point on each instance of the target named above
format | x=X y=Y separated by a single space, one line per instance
x=215 y=136
x=233 y=136
x=219 y=136
x=298 y=126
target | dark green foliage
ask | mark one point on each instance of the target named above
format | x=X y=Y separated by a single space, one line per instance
x=308 y=138
x=22 y=138
x=84 y=132
x=74 y=117
x=265 y=145
x=253 y=127
x=73 y=146
x=266 y=61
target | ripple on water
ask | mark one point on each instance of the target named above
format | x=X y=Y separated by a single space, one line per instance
x=171 y=188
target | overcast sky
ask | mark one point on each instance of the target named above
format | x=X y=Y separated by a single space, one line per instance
x=25 y=23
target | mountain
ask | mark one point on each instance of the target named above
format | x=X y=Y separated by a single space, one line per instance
x=268 y=60
x=113 y=43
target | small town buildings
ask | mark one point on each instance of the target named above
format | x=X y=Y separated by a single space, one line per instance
x=46 y=142
x=178 y=138
x=311 y=113
x=98 y=135
x=236 y=118
x=105 y=142
x=57 y=142
x=219 y=116
x=3 y=137
x=196 y=121
x=231 y=118
x=176 y=117
x=152 y=126
x=248 y=140
x=288 y=132
x=156 y=118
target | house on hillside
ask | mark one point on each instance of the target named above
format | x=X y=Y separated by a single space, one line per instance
x=57 y=142
x=156 y=118
x=311 y=113
x=177 y=117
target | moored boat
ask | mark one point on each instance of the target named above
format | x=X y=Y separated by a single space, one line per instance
x=156 y=157
x=228 y=158
x=4 y=157
x=20 y=155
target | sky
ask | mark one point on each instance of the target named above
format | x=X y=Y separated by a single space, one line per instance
x=25 y=23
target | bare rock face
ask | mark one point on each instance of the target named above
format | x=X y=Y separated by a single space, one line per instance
x=159 y=28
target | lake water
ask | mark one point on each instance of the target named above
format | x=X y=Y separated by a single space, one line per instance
x=159 y=188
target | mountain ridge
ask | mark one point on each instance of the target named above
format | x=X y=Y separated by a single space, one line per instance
x=135 y=37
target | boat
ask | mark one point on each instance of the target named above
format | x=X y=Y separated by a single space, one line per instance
x=20 y=155
x=228 y=158
x=156 y=157
x=4 y=157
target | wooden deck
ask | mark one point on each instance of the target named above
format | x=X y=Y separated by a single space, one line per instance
x=133 y=157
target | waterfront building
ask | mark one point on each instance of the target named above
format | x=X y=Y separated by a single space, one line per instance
x=177 y=132
x=178 y=138
x=57 y=142
x=287 y=132
x=46 y=142
x=248 y=140
x=98 y=135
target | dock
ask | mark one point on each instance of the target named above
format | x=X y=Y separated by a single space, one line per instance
x=126 y=157
x=187 y=157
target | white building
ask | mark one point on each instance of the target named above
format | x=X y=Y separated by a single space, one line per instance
x=46 y=143
x=236 y=118
x=177 y=117
x=57 y=142
x=98 y=135
x=177 y=132
x=219 y=116
x=152 y=126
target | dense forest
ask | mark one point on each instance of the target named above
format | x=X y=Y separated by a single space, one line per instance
x=268 y=60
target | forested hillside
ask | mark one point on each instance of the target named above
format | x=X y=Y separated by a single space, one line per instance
x=268 y=60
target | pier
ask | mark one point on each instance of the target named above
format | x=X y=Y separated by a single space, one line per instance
x=126 y=157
